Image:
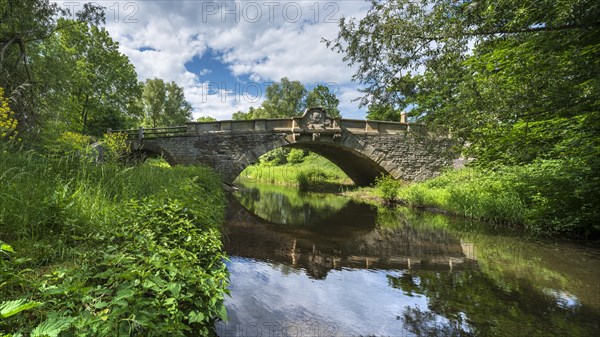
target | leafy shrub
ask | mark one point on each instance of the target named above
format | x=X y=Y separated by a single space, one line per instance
x=303 y=180
x=105 y=266
x=295 y=156
x=274 y=157
x=71 y=143
x=307 y=178
x=116 y=147
x=160 y=273
x=387 y=187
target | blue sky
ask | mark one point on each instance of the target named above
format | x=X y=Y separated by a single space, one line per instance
x=225 y=53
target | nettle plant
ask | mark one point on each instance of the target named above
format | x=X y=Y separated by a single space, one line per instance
x=161 y=272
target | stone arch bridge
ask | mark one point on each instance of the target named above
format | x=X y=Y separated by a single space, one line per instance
x=362 y=149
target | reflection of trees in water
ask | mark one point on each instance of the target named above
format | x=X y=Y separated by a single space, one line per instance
x=287 y=206
x=478 y=283
x=470 y=303
x=346 y=238
x=427 y=323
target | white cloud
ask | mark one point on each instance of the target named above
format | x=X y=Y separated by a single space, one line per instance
x=264 y=47
x=218 y=102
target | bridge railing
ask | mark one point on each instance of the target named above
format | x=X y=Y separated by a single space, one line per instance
x=149 y=133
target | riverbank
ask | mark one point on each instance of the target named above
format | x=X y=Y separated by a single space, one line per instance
x=101 y=250
x=546 y=197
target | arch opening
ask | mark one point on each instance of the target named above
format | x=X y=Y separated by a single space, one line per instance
x=358 y=168
x=152 y=151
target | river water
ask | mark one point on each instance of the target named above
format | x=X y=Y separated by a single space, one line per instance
x=324 y=265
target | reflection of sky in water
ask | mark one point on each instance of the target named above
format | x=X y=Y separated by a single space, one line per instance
x=356 y=301
x=563 y=299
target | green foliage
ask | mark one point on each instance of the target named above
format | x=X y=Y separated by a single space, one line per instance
x=159 y=272
x=107 y=252
x=274 y=157
x=283 y=99
x=547 y=196
x=383 y=112
x=388 y=187
x=205 y=119
x=290 y=98
x=71 y=144
x=307 y=178
x=287 y=174
x=295 y=156
x=243 y=116
x=24 y=27
x=515 y=80
x=116 y=147
x=94 y=85
x=10 y=308
x=320 y=96
x=52 y=327
x=8 y=123
x=165 y=104
x=303 y=180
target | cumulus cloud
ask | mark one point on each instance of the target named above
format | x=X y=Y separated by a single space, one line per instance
x=259 y=40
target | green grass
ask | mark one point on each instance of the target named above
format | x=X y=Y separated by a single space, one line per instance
x=314 y=172
x=552 y=197
x=546 y=197
x=104 y=250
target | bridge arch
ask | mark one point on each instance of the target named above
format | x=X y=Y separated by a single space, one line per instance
x=356 y=161
x=362 y=149
x=150 y=150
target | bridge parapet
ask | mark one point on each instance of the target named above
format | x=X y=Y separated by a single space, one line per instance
x=240 y=126
x=149 y=133
x=313 y=120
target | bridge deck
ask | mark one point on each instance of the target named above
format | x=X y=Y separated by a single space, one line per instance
x=291 y=125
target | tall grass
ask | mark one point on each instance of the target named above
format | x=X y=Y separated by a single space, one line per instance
x=548 y=196
x=41 y=195
x=78 y=227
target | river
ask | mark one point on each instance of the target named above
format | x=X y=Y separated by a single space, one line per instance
x=306 y=264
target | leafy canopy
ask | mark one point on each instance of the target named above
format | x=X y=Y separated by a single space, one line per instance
x=164 y=104
x=485 y=68
x=290 y=98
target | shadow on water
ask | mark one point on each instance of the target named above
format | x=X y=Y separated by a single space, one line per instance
x=326 y=265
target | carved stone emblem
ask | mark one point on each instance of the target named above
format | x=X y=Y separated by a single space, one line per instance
x=318 y=119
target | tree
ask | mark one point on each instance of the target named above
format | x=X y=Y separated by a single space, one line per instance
x=482 y=67
x=283 y=99
x=242 y=116
x=178 y=111
x=154 y=96
x=289 y=99
x=206 y=119
x=24 y=26
x=383 y=112
x=165 y=104
x=321 y=96
x=94 y=85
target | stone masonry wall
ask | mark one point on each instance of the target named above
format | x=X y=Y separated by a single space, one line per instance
x=410 y=155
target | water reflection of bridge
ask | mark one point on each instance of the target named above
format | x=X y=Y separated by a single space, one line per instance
x=343 y=243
